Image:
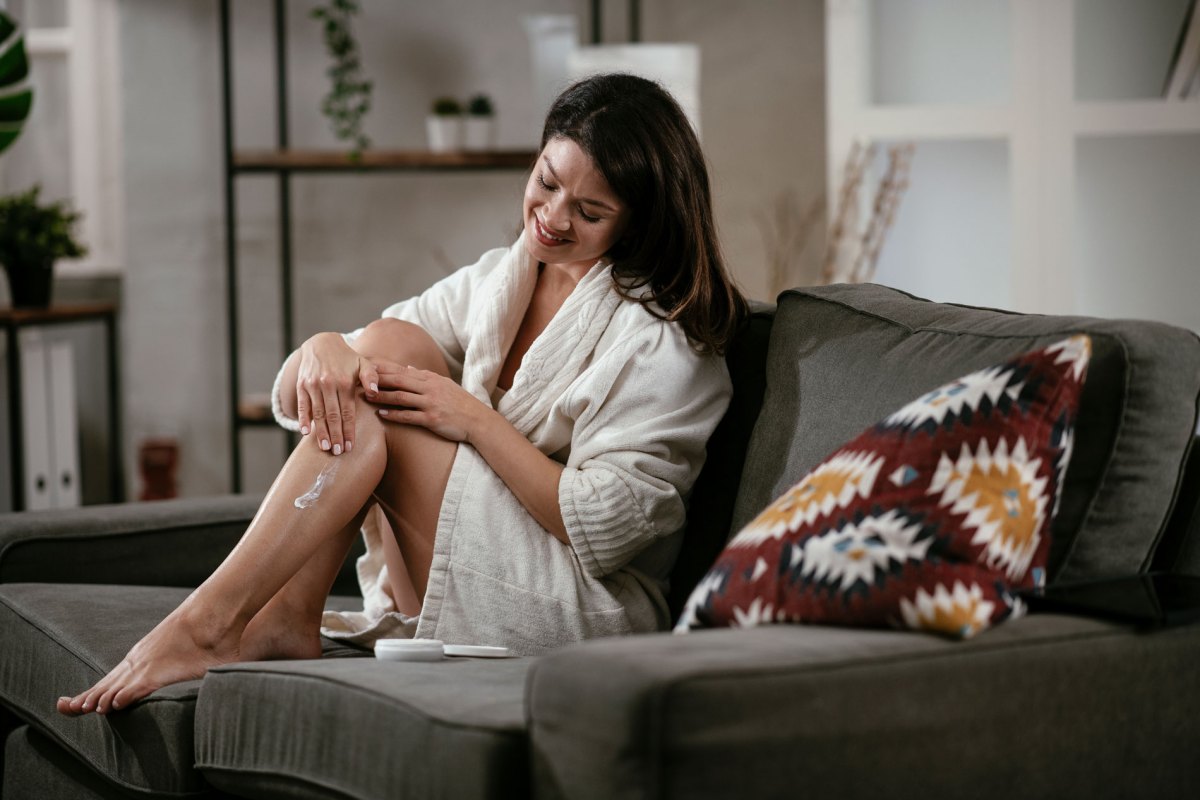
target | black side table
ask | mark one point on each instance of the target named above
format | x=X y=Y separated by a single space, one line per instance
x=12 y=320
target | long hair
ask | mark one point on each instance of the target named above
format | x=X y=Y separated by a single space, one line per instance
x=644 y=146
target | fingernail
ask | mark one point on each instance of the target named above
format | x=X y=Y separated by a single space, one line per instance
x=86 y=706
x=349 y=446
x=337 y=449
x=116 y=704
x=383 y=412
x=304 y=430
x=324 y=444
x=374 y=387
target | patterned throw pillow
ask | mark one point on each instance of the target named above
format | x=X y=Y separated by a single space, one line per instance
x=927 y=520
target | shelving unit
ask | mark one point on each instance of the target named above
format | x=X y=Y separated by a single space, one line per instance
x=283 y=162
x=1049 y=174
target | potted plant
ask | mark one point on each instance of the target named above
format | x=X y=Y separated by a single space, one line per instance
x=32 y=238
x=349 y=97
x=480 y=124
x=444 y=125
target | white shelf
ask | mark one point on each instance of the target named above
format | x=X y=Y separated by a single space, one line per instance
x=1135 y=117
x=937 y=122
x=1060 y=183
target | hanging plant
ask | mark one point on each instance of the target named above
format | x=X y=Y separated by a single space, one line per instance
x=349 y=97
x=16 y=96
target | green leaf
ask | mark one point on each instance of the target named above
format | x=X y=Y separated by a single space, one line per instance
x=14 y=107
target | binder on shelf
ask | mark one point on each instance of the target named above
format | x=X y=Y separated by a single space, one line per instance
x=64 y=424
x=50 y=432
x=35 y=434
x=1185 y=62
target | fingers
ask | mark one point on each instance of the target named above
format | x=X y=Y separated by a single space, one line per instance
x=403 y=416
x=368 y=376
x=397 y=398
x=329 y=403
x=303 y=410
x=333 y=417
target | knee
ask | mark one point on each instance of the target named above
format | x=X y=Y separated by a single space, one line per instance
x=401 y=342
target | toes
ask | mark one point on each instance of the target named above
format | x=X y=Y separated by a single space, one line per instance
x=88 y=702
x=127 y=696
x=104 y=704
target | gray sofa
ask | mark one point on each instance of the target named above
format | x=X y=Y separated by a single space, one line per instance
x=1043 y=706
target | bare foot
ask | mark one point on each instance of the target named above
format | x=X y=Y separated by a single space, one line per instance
x=178 y=649
x=273 y=635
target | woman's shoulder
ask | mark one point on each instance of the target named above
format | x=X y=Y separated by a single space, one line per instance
x=642 y=331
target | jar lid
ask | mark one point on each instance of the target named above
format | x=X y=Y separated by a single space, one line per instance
x=409 y=649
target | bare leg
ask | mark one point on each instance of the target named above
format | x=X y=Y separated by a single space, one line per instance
x=207 y=628
x=289 y=625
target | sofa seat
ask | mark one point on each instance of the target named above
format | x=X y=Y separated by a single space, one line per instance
x=364 y=728
x=1047 y=706
x=59 y=639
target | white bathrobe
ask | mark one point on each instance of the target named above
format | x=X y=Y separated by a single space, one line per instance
x=618 y=397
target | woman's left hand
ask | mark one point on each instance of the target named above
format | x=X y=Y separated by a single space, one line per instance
x=414 y=396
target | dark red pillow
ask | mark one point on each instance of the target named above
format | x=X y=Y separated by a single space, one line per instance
x=927 y=520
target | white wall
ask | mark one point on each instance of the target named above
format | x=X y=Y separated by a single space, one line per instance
x=364 y=241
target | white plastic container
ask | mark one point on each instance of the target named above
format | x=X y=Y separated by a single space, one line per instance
x=409 y=650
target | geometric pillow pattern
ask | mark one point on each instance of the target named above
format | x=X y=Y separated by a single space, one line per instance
x=927 y=520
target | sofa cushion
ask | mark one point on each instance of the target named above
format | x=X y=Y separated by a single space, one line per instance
x=1046 y=706
x=364 y=728
x=843 y=356
x=927 y=520
x=61 y=638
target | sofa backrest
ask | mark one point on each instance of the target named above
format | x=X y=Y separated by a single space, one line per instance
x=842 y=357
x=710 y=507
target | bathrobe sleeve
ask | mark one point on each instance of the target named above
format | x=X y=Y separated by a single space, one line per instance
x=641 y=427
x=443 y=310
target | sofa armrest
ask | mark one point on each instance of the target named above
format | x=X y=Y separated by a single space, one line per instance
x=168 y=543
x=1044 y=706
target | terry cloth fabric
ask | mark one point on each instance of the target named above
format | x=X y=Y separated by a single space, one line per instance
x=616 y=395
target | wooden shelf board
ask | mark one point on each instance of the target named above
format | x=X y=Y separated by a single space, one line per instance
x=381 y=160
x=29 y=316
x=255 y=409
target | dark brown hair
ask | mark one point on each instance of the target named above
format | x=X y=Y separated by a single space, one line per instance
x=644 y=146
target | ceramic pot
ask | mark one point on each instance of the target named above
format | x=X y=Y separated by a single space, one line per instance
x=445 y=133
x=30 y=287
x=479 y=133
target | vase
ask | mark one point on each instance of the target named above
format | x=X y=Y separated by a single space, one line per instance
x=29 y=287
x=479 y=133
x=445 y=133
x=552 y=39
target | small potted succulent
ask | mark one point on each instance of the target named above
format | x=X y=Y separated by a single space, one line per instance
x=32 y=238
x=480 y=124
x=444 y=125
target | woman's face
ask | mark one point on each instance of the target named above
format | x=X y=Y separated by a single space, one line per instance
x=572 y=217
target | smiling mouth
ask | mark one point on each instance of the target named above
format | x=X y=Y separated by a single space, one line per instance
x=544 y=236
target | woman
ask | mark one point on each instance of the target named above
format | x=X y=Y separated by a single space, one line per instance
x=529 y=427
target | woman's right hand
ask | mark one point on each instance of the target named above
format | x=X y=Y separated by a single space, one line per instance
x=329 y=377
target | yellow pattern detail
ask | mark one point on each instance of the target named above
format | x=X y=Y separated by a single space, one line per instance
x=1005 y=499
